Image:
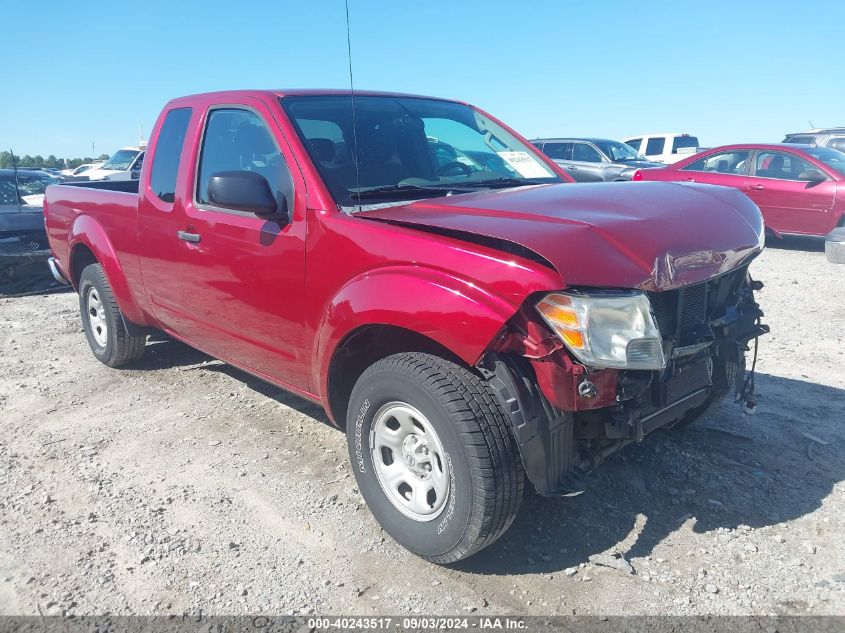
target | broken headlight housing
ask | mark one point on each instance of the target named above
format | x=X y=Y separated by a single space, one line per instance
x=606 y=329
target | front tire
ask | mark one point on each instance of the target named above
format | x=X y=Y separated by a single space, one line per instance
x=433 y=456
x=103 y=323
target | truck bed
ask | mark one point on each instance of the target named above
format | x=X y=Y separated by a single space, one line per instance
x=74 y=206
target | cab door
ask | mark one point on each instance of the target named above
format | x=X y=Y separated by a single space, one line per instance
x=790 y=204
x=587 y=163
x=230 y=282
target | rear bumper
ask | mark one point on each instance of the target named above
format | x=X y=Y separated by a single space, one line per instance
x=57 y=274
x=834 y=246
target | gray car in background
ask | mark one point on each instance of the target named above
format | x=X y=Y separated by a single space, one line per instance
x=594 y=159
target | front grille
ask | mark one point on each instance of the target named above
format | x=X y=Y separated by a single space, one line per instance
x=685 y=380
x=682 y=316
x=693 y=307
x=680 y=313
x=664 y=307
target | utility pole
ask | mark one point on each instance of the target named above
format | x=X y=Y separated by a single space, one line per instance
x=93 y=155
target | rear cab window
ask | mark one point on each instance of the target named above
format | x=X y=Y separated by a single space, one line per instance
x=684 y=142
x=168 y=151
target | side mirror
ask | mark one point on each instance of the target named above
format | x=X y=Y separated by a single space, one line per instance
x=243 y=191
x=811 y=176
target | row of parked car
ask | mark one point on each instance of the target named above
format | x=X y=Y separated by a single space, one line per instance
x=795 y=183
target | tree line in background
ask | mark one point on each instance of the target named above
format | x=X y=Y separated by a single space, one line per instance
x=39 y=162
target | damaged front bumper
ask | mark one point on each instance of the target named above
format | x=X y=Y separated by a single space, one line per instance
x=567 y=418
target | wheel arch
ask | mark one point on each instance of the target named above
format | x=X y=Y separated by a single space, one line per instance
x=89 y=244
x=401 y=309
x=364 y=346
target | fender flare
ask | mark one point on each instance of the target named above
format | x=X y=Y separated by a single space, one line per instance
x=450 y=310
x=88 y=232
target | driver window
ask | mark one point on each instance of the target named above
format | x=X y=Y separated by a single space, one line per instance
x=558 y=151
x=238 y=140
x=780 y=165
x=585 y=153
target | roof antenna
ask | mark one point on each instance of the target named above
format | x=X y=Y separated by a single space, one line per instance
x=17 y=188
x=812 y=127
x=352 y=98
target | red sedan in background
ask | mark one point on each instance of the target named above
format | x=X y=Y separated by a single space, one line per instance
x=799 y=188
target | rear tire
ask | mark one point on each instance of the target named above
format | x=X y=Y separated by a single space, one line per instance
x=103 y=323
x=433 y=455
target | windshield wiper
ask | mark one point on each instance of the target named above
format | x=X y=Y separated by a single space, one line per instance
x=506 y=182
x=391 y=191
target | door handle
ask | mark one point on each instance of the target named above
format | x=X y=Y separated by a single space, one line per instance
x=689 y=179
x=757 y=187
x=571 y=168
x=188 y=237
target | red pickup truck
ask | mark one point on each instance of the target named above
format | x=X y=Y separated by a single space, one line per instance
x=427 y=276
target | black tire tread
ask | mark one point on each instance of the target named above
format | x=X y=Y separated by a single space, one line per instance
x=495 y=464
x=127 y=348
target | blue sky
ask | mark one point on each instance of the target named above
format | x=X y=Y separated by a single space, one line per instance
x=735 y=71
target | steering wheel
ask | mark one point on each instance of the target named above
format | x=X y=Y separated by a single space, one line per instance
x=444 y=170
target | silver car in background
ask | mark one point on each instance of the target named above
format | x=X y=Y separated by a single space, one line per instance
x=832 y=137
x=594 y=159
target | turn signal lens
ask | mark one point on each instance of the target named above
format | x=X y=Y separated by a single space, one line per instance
x=573 y=339
x=563 y=315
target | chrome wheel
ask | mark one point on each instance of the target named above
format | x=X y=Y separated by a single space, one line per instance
x=409 y=461
x=97 y=317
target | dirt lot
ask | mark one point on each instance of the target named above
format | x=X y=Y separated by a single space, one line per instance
x=183 y=485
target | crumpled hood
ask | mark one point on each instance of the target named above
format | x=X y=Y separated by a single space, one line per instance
x=646 y=235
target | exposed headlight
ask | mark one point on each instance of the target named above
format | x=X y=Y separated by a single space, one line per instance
x=606 y=329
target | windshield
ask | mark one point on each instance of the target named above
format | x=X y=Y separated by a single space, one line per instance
x=830 y=157
x=617 y=151
x=121 y=160
x=407 y=146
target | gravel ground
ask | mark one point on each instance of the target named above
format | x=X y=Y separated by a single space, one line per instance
x=183 y=485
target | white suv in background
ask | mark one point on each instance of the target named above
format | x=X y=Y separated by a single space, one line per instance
x=664 y=148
